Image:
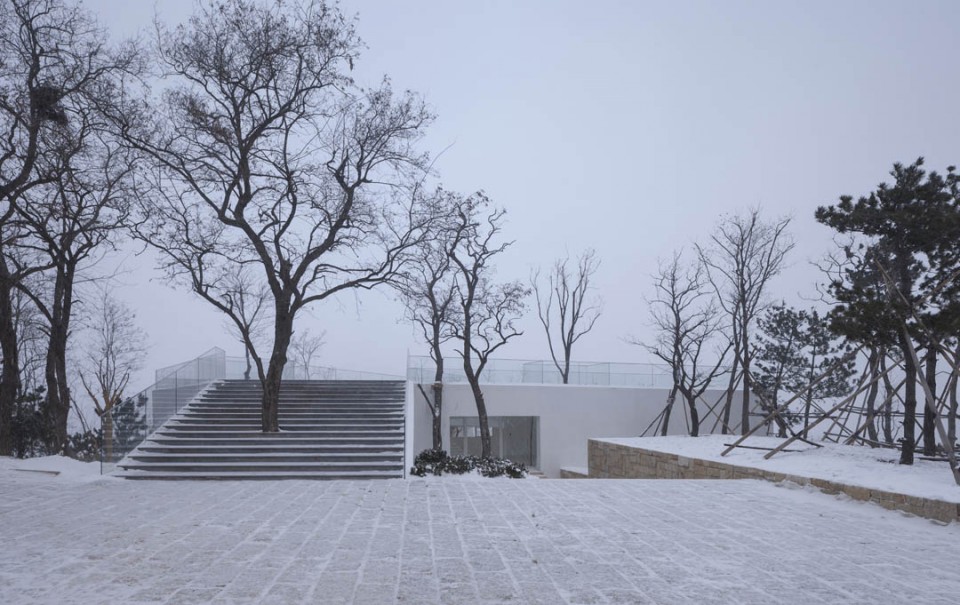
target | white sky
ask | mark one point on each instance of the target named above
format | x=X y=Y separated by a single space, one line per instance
x=623 y=126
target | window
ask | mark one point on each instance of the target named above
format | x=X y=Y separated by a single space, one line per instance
x=515 y=438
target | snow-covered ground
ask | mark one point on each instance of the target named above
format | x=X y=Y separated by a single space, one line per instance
x=60 y=468
x=853 y=465
x=576 y=541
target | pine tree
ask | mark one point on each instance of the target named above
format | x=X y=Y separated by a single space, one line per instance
x=912 y=227
x=797 y=346
x=778 y=355
x=821 y=351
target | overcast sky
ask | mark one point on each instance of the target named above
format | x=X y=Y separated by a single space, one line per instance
x=628 y=127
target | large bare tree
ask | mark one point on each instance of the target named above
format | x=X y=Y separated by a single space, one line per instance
x=486 y=311
x=56 y=73
x=70 y=222
x=565 y=306
x=744 y=253
x=267 y=155
x=687 y=324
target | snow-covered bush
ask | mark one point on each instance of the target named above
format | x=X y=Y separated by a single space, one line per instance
x=437 y=462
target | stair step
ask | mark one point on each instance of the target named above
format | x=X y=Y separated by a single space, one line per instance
x=291 y=416
x=329 y=430
x=254 y=475
x=262 y=466
x=241 y=448
x=268 y=457
x=259 y=439
x=325 y=427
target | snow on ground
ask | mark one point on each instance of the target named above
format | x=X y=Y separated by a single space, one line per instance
x=51 y=468
x=426 y=542
x=850 y=464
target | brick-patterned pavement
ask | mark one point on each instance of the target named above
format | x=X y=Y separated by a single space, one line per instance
x=448 y=541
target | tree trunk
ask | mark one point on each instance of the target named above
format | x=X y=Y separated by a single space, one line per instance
x=437 y=416
x=930 y=409
x=438 y=401
x=10 y=376
x=57 y=408
x=909 y=403
x=952 y=417
x=282 y=333
x=745 y=411
x=728 y=403
x=887 y=403
x=107 y=422
x=694 y=415
x=873 y=363
x=481 y=415
x=246 y=372
x=671 y=398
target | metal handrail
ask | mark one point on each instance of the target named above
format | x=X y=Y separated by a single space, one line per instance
x=128 y=424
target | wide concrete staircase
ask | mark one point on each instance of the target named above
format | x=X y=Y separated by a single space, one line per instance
x=328 y=430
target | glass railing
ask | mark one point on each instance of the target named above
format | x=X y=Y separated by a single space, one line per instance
x=134 y=418
x=421 y=369
x=236 y=369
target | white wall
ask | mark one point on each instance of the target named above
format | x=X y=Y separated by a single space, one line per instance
x=569 y=415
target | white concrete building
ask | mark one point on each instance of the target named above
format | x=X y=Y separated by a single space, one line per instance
x=546 y=426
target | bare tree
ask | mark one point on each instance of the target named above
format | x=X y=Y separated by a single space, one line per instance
x=305 y=348
x=250 y=301
x=114 y=352
x=428 y=289
x=266 y=155
x=14 y=270
x=688 y=324
x=32 y=341
x=745 y=252
x=70 y=222
x=486 y=311
x=563 y=305
x=54 y=67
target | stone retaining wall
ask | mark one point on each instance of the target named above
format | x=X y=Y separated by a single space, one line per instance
x=614 y=461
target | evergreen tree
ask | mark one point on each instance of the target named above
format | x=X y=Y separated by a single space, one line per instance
x=129 y=422
x=912 y=228
x=821 y=351
x=778 y=357
x=797 y=346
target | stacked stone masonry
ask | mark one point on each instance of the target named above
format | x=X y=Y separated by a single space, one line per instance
x=614 y=461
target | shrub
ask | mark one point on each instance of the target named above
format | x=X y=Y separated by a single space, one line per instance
x=28 y=426
x=496 y=467
x=437 y=461
x=85 y=446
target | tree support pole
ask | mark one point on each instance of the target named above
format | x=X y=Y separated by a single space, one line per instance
x=786 y=405
x=846 y=401
x=932 y=406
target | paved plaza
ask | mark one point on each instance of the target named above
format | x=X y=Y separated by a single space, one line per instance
x=439 y=541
